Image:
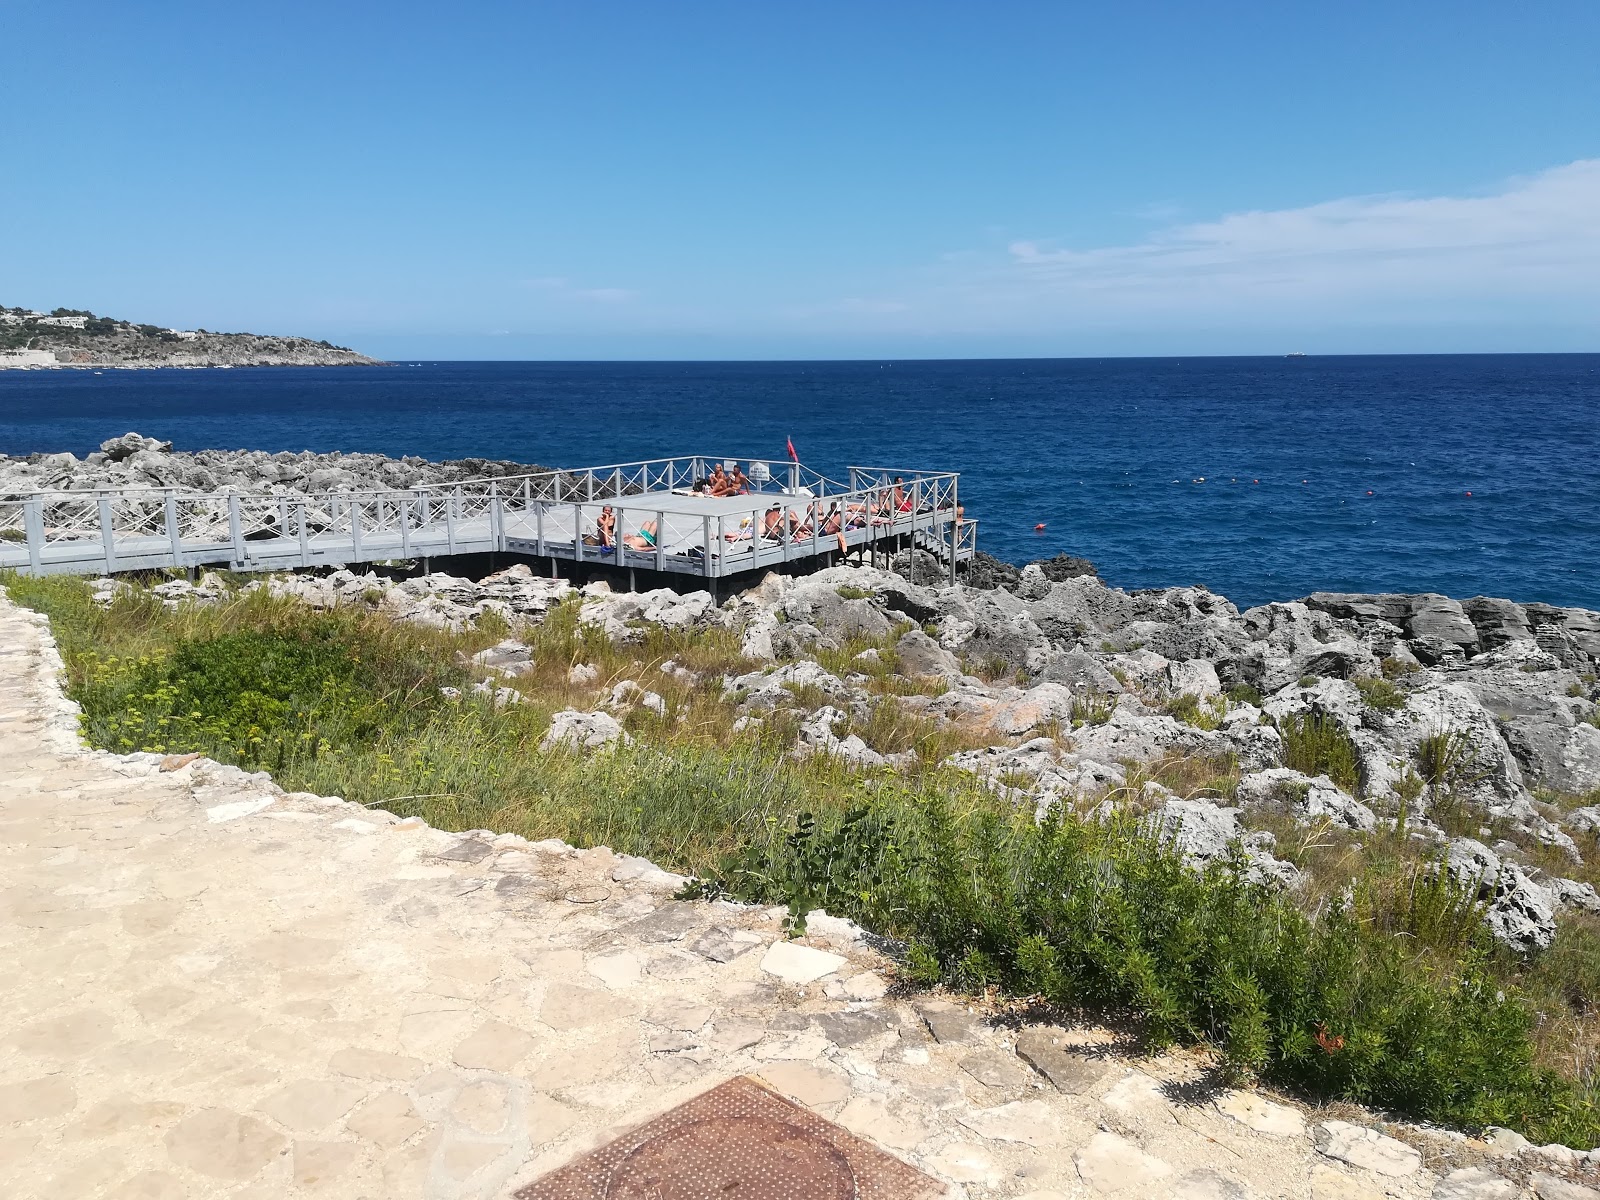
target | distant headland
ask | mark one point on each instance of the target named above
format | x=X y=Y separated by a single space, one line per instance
x=77 y=338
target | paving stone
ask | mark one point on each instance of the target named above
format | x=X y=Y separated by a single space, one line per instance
x=36 y=1099
x=868 y=985
x=717 y=944
x=669 y=923
x=874 y=1119
x=548 y=1119
x=795 y=963
x=620 y=970
x=467 y=850
x=568 y=1006
x=308 y=1105
x=221 y=1144
x=1363 y=1147
x=853 y=1028
x=962 y=1162
x=791 y=1046
x=1474 y=1183
x=672 y=1041
x=673 y=966
x=807 y=1083
x=1328 y=1183
x=67 y=1037
x=996 y=1070
x=387 y=1120
x=374 y=1064
x=1044 y=1051
x=948 y=1023
x=1261 y=1114
x=1028 y=1121
x=150 y=1185
x=318 y=1164
x=112 y=1117
x=496 y=1046
x=1110 y=1163
x=483 y=1106
x=677 y=1013
x=1552 y=1187
x=1205 y=1183
x=731 y=1036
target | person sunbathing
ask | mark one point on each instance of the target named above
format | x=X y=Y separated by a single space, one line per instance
x=645 y=539
x=772 y=523
x=606 y=527
x=740 y=483
x=801 y=528
x=719 y=482
x=833 y=522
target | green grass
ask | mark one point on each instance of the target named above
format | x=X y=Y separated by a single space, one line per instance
x=1380 y=990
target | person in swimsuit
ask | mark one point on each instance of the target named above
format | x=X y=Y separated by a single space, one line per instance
x=772 y=523
x=739 y=483
x=719 y=482
x=645 y=539
x=606 y=526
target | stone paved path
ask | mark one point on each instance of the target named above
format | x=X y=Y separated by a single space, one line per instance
x=210 y=988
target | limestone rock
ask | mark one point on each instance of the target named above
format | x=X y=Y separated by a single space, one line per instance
x=583 y=731
x=1112 y=1164
x=796 y=963
x=1363 y=1147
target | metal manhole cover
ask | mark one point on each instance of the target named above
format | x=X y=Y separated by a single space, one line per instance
x=739 y=1141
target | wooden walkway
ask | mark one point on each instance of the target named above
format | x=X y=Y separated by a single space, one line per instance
x=554 y=515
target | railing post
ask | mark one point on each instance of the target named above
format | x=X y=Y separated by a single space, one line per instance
x=497 y=518
x=588 y=485
x=705 y=534
x=538 y=527
x=577 y=529
x=305 y=536
x=33 y=528
x=235 y=529
x=355 y=529
x=452 y=501
x=405 y=528
x=955 y=526
x=108 y=534
x=174 y=532
x=283 y=518
x=661 y=541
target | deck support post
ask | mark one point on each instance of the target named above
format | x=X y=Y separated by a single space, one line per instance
x=632 y=587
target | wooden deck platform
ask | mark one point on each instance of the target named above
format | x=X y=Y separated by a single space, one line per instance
x=553 y=515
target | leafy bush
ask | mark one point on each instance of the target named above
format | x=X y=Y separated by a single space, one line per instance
x=1386 y=998
x=1381 y=694
x=1244 y=693
x=1191 y=710
x=846 y=592
x=1315 y=745
x=1092 y=710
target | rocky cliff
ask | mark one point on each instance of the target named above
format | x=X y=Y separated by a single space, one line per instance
x=81 y=339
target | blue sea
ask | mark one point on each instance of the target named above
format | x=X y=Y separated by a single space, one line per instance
x=1261 y=478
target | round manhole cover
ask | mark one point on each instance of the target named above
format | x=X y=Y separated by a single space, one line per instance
x=733 y=1158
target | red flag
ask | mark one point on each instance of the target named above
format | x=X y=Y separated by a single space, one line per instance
x=793 y=457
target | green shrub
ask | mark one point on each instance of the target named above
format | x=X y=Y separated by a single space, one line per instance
x=853 y=593
x=1315 y=745
x=1191 y=710
x=1244 y=693
x=1381 y=694
x=1386 y=998
x=1306 y=681
x=1092 y=710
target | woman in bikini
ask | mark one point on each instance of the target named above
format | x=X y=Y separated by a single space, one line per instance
x=606 y=527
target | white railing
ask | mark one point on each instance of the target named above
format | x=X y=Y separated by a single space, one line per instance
x=794 y=512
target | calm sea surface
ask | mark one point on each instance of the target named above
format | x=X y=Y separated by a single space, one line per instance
x=1261 y=478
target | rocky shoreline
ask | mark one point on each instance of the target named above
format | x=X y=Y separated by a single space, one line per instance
x=1081 y=686
x=32 y=340
x=133 y=461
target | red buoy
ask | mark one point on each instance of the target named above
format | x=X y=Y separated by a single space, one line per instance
x=1369 y=491
x=1039 y=528
x=1469 y=493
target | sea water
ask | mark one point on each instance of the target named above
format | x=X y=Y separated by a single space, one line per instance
x=1261 y=478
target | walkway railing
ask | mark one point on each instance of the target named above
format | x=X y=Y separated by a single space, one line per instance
x=795 y=512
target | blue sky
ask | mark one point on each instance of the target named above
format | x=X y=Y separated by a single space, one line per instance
x=766 y=180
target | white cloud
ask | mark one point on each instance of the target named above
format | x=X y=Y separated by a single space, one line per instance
x=1532 y=237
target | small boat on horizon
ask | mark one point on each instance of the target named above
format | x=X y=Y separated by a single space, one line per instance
x=1295 y=354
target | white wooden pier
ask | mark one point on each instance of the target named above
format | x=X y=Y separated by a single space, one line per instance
x=662 y=525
